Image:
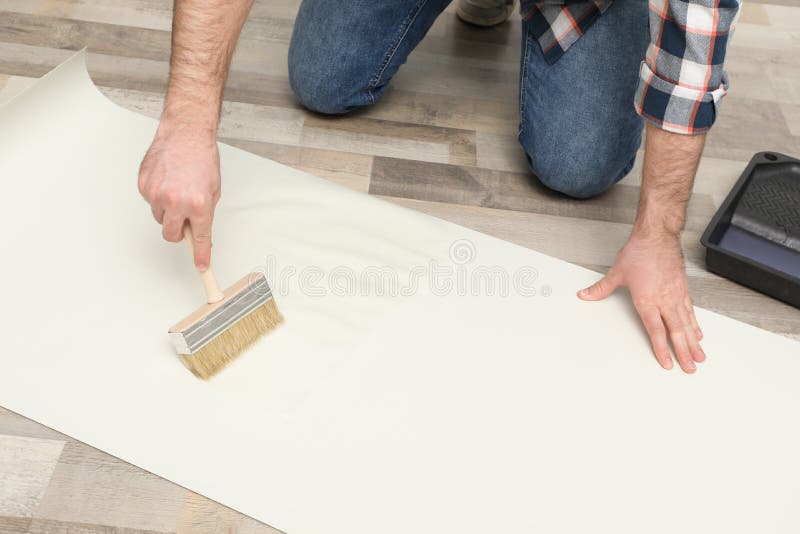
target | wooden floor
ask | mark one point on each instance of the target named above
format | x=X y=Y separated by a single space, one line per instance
x=442 y=141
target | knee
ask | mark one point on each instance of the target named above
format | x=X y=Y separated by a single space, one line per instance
x=317 y=88
x=320 y=82
x=580 y=172
x=580 y=178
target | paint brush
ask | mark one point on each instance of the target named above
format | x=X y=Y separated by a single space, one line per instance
x=230 y=322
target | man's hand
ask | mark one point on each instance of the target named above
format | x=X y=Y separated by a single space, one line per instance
x=651 y=263
x=652 y=268
x=180 y=178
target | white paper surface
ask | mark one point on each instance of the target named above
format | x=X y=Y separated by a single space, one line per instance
x=424 y=413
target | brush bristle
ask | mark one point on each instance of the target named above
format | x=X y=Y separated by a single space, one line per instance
x=213 y=357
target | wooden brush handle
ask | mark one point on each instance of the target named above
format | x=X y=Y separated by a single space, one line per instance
x=213 y=292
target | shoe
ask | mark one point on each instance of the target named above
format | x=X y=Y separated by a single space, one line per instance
x=485 y=12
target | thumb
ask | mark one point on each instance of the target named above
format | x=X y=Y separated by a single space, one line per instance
x=600 y=289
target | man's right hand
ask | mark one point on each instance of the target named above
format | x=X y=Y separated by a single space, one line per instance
x=180 y=178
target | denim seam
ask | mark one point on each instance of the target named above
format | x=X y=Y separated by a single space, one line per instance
x=406 y=26
x=523 y=78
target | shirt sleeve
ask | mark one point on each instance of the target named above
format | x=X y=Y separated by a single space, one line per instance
x=681 y=80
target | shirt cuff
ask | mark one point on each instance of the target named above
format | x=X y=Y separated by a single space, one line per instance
x=677 y=108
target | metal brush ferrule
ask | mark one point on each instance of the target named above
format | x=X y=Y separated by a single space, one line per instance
x=226 y=315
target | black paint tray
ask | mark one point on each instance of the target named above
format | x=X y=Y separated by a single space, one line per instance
x=754 y=238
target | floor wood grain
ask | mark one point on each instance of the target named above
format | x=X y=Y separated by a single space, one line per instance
x=442 y=141
x=88 y=486
x=26 y=465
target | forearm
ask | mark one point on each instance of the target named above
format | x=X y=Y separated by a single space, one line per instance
x=204 y=35
x=670 y=165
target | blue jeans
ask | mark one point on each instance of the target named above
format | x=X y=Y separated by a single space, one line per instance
x=578 y=125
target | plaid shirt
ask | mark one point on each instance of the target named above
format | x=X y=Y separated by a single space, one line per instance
x=681 y=80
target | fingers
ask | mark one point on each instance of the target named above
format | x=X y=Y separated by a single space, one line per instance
x=697 y=331
x=144 y=175
x=179 y=177
x=201 y=234
x=654 y=325
x=158 y=214
x=172 y=229
x=600 y=289
x=690 y=330
x=682 y=336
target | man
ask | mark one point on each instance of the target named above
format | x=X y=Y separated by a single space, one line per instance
x=592 y=74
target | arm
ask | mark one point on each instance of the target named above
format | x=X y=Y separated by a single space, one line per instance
x=681 y=84
x=179 y=175
x=651 y=263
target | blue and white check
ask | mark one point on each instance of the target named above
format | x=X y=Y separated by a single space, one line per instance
x=681 y=79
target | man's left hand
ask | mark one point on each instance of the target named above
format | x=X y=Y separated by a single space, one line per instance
x=652 y=268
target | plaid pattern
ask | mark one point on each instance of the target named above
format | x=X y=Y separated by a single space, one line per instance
x=681 y=80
